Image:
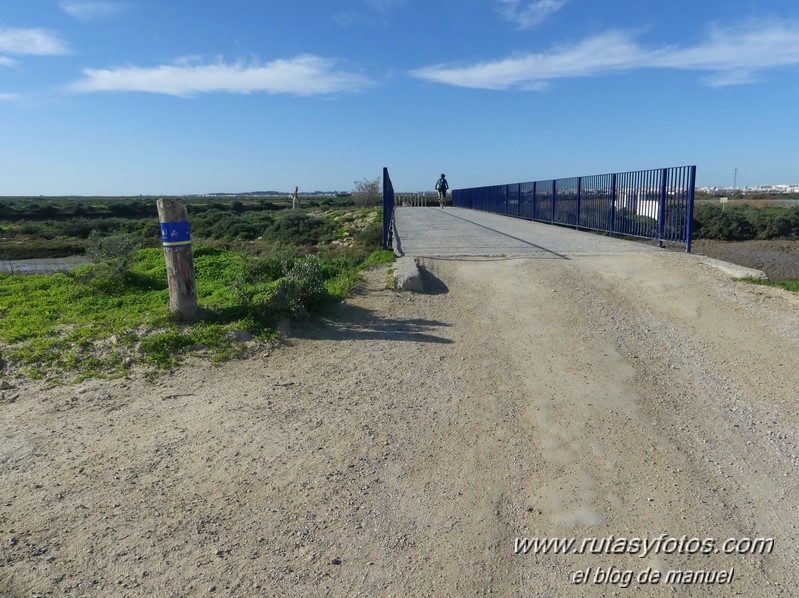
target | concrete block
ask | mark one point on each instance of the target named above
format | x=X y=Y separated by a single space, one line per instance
x=733 y=270
x=406 y=275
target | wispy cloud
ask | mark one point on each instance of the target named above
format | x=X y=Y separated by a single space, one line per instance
x=608 y=52
x=749 y=47
x=731 y=57
x=92 y=11
x=375 y=13
x=37 y=42
x=529 y=14
x=303 y=75
x=6 y=61
x=384 y=5
x=10 y=97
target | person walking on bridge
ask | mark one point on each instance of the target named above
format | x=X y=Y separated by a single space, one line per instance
x=441 y=187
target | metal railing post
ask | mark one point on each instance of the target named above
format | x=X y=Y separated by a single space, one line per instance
x=388 y=208
x=661 y=215
x=689 y=229
x=612 y=224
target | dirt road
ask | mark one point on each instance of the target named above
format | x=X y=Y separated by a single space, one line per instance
x=407 y=444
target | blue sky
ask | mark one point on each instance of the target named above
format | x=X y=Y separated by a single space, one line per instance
x=195 y=96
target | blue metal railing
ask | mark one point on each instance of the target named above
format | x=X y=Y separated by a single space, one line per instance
x=650 y=204
x=388 y=209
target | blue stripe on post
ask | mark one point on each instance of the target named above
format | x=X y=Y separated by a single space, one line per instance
x=175 y=234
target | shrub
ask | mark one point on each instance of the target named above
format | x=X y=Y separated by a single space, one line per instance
x=366 y=193
x=783 y=226
x=297 y=228
x=117 y=249
x=713 y=222
x=741 y=223
x=282 y=285
x=371 y=236
x=112 y=256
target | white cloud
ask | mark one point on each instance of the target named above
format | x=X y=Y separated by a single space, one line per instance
x=31 y=41
x=731 y=56
x=737 y=54
x=611 y=51
x=10 y=97
x=303 y=75
x=91 y=11
x=529 y=14
x=726 y=78
x=6 y=61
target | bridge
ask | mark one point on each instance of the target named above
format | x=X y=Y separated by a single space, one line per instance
x=652 y=204
x=421 y=232
x=436 y=232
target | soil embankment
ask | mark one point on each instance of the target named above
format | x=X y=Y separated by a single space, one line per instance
x=779 y=258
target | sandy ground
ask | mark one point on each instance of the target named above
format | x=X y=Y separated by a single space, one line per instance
x=402 y=445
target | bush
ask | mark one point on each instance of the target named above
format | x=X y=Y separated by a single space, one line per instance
x=117 y=249
x=366 y=193
x=713 y=222
x=741 y=223
x=783 y=226
x=297 y=228
x=111 y=256
x=283 y=285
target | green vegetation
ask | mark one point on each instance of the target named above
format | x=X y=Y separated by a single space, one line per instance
x=789 y=285
x=254 y=265
x=60 y=227
x=100 y=320
x=745 y=222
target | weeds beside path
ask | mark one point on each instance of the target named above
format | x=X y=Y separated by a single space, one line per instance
x=103 y=319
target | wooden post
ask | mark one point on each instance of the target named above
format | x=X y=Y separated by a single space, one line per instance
x=179 y=261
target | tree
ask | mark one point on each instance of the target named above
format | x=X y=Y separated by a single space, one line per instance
x=366 y=193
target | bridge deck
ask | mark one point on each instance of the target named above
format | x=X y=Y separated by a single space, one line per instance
x=433 y=232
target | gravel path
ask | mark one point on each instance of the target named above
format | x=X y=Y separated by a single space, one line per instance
x=402 y=444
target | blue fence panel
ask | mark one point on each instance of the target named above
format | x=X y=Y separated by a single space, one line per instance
x=513 y=200
x=566 y=201
x=526 y=199
x=502 y=199
x=650 y=204
x=542 y=201
x=596 y=195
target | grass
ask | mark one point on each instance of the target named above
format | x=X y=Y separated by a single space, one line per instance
x=789 y=285
x=100 y=320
